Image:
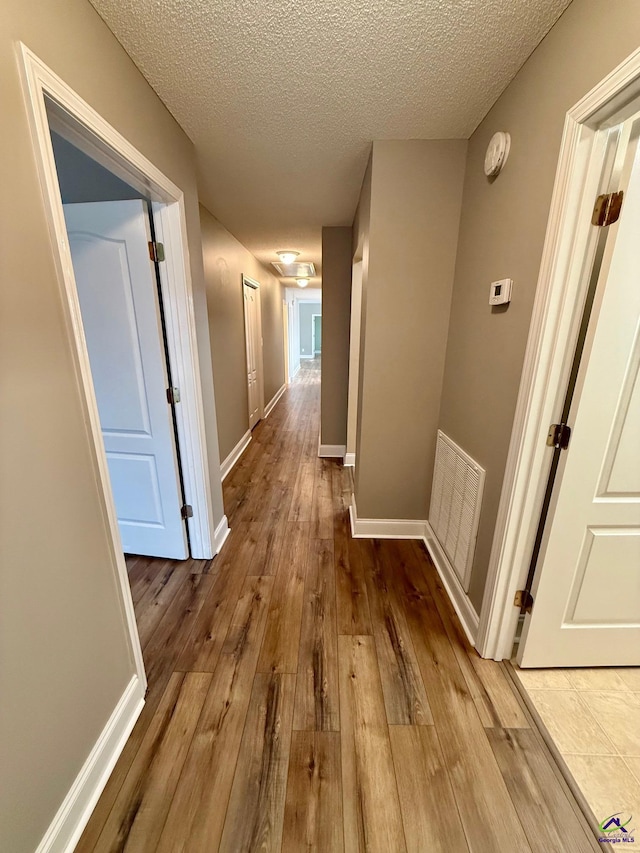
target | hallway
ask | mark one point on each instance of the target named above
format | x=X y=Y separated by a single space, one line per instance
x=310 y=691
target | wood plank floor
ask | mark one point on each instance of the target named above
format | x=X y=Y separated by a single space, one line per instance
x=309 y=691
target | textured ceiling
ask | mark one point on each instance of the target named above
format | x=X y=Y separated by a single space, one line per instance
x=282 y=98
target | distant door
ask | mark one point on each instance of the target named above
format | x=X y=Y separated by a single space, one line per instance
x=253 y=340
x=586 y=608
x=317 y=334
x=120 y=315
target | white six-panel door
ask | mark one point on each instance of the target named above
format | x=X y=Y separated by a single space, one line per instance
x=253 y=338
x=586 y=608
x=120 y=315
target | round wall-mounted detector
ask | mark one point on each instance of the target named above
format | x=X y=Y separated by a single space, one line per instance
x=497 y=153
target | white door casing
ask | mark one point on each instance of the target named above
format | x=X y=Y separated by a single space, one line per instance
x=587 y=587
x=354 y=362
x=117 y=290
x=253 y=337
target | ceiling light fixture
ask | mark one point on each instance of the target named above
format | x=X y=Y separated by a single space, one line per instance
x=302 y=282
x=287 y=256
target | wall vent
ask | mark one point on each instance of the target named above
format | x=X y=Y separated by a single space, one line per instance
x=456 y=497
x=297 y=270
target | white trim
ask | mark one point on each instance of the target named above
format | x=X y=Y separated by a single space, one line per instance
x=549 y=348
x=296 y=371
x=112 y=150
x=274 y=400
x=67 y=826
x=349 y=460
x=222 y=532
x=331 y=451
x=255 y=285
x=313 y=335
x=235 y=454
x=307 y=356
x=393 y=528
x=175 y=277
x=461 y=602
x=384 y=528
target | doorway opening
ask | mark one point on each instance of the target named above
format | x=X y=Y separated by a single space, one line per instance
x=304 y=326
x=253 y=341
x=568 y=532
x=316 y=336
x=54 y=107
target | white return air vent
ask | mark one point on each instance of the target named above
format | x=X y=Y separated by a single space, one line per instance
x=456 y=497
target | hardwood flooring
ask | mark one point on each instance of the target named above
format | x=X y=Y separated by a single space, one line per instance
x=313 y=692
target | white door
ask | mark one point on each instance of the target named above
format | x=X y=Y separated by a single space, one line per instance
x=120 y=315
x=253 y=337
x=586 y=608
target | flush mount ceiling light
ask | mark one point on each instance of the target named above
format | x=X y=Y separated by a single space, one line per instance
x=287 y=256
x=302 y=282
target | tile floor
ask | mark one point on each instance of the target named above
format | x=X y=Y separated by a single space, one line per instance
x=593 y=717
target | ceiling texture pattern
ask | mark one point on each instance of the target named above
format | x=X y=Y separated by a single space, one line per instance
x=282 y=98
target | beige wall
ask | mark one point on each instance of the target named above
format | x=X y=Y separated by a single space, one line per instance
x=502 y=233
x=416 y=193
x=64 y=657
x=225 y=261
x=336 y=313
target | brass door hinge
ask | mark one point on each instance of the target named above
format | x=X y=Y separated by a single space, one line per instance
x=186 y=511
x=523 y=600
x=558 y=436
x=156 y=252
x=607 y=209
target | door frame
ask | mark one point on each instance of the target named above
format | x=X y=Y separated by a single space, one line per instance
x=550 y=347
x=357 y=273
x=313 y=333
x=255 y=285
x=83 y=126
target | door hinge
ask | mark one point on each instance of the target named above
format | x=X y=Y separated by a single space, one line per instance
x=559 y=435
x=607 y=208
x=173 y=395
x=156 y=252
x=523 y=600
x=186 y=511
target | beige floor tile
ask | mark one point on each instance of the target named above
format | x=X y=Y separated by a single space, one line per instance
x=570 y=723
x=608 y=786
x=544 y=679
x=619 y=716
x=631 y=677
x=596 y=679
x=633 y=763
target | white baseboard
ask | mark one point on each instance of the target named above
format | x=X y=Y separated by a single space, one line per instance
x=459 y=598
x=272 y=403
x=306 y=356
x=383 y=528
x=235 y=454
x=220 y=535
x=72 y=817
x=349 y=460
x=331 y=451
x=296 y=371
x=393 y=528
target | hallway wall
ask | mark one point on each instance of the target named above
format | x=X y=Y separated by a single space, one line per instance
x=414 y=211
x=64 y=652
x=336 y=312
x=225 y=261
x=502 y=232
